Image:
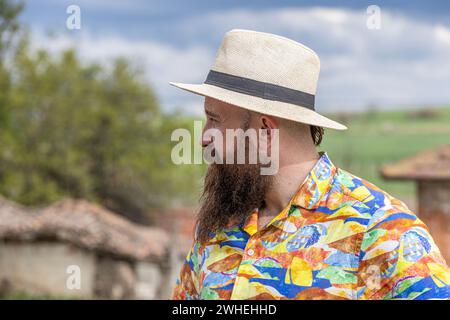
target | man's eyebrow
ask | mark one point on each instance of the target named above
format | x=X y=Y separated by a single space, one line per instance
x=212 y=114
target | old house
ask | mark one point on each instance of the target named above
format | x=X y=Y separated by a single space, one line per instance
x=431 y=171
x=43 y=251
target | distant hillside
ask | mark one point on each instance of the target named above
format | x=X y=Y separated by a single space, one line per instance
x=376 y=137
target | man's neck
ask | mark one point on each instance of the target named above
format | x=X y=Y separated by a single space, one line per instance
x=286 y=183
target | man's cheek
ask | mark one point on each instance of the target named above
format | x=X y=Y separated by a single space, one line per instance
x=226 y=150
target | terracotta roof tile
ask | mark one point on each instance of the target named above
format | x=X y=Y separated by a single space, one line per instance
x=84 y=224
x=430 y=164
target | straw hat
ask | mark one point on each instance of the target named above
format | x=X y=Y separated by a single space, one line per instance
x=266 y=73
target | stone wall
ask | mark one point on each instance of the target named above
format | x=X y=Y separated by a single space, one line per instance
x=43 y=267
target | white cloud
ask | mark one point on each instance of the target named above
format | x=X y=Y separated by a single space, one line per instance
x=406 y=63
x=442 y=34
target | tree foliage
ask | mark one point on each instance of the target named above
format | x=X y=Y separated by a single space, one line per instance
x=78 y=129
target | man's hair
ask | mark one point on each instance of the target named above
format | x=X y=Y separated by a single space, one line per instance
x=317 y=134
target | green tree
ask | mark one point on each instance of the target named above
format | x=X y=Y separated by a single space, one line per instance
x=82 y=130
x=9 y=28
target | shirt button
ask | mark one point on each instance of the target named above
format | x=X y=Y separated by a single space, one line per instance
x=250 y=252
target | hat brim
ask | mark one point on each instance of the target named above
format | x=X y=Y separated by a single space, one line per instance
x=270 y=107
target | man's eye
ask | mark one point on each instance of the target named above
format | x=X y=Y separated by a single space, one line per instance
x=212 y=119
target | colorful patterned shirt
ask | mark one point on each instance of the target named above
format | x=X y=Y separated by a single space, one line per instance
x=340 y=237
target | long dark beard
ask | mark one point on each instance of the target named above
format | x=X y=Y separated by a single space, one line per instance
x=230 y=193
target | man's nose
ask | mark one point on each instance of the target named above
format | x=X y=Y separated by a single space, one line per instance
x=205 y=139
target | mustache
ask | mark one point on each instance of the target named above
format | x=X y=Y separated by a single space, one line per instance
x=245 y=151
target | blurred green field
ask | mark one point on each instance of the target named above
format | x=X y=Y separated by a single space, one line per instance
x=375 y=138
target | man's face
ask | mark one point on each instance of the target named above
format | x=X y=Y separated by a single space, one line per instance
x=222 y=117
x=231 y=190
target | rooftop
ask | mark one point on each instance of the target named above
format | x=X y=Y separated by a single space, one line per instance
x=84 y=224
x=428 y=165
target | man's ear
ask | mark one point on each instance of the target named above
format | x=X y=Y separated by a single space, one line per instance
x=268 y=124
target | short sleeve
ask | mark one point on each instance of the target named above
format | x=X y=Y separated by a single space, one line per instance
x=400 y=260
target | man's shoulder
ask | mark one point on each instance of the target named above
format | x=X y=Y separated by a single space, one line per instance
x=370 y=201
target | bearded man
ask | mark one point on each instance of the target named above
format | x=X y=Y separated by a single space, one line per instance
x=310 y=230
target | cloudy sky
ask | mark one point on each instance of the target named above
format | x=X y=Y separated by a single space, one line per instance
x=405 y=63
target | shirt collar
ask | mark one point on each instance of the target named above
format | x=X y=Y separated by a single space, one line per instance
x=316 y=184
